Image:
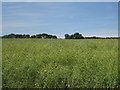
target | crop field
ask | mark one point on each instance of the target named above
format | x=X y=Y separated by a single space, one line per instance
x=60 y=63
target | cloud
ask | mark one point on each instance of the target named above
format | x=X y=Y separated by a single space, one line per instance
x=20 y=24
x=30 y=14
x=13 y=5
x=103 y=33
x=25 y=14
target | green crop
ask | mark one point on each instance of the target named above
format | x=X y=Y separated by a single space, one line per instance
x=60 y=63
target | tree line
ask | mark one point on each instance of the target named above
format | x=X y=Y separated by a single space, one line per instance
x=47 y=36
x=80 y=36
x=43 y=36
x=74 y=36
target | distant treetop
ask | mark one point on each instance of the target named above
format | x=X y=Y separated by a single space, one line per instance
x=43 y=36
x=74 y=36
x=48 y=36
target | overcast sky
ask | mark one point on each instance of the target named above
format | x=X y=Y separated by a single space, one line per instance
x=59 y=18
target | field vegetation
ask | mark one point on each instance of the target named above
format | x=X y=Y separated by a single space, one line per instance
x=60 y=63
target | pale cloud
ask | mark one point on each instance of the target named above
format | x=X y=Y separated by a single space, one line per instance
x=14 y=6
x=103 y=33
x=30 y=14
x=25 y=14
x=15 y=25
x=20 y=24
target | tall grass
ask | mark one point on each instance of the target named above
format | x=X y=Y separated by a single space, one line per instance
x=48 y=63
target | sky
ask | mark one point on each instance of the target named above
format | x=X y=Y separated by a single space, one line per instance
x=60 y=0
x=59 y=18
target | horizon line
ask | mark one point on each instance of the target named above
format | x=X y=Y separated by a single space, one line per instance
x=63 y=35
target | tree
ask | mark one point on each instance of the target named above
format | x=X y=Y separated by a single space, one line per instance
x=74 y=36
x=44 y=36
x=27 y=36
x=78 y=36
x=11 y=35
x=54 y=37
x=39 y=36
x=33 y=36
x=67 y=36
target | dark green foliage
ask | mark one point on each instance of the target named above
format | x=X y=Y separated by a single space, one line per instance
x=54 y=37
x=38 y=36
x=33 y=36
x=78 y=36
x=47 y=36
x=94 y=37
x=74 y=36
x=43 y=36
x=67 y=36
x=16 y=36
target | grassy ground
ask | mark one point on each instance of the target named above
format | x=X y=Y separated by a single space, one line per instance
x=44 y=63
